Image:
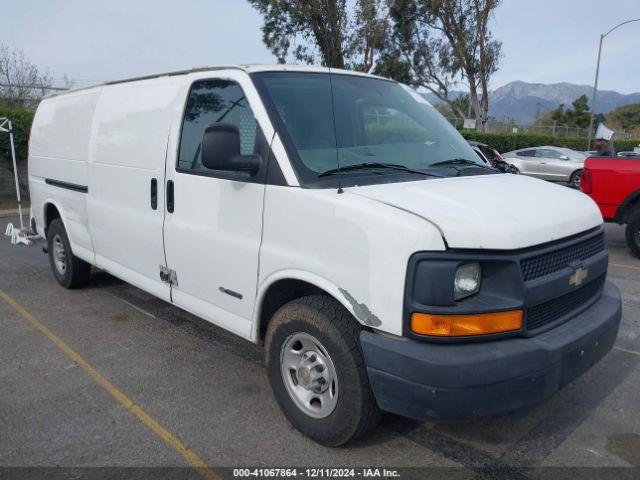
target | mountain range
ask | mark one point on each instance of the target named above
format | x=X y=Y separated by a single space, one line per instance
x=521 y=100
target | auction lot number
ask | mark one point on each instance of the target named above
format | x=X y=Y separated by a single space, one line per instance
x=314 y=473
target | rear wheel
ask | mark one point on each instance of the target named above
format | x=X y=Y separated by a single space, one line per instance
x=69 y=270
x=633 y=232
x=317 y=372
x=576 y=179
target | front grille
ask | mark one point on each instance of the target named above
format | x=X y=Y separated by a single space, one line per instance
x=546 y=263
x=550 y=311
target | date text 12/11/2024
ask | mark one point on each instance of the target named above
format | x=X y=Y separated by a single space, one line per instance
x=315 y=472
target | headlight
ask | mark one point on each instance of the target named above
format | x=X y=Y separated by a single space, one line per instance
x=466 y=281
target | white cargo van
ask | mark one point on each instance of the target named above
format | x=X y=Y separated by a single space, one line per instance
x=338 y=218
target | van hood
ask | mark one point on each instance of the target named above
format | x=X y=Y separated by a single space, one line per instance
x=491 y=211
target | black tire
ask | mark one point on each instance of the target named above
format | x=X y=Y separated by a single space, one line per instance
x=322 y=317
x=76 y=272
x=513 y=169
x=633 y=232
x=576 y=179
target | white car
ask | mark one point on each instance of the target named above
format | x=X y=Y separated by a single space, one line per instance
x=341 y=221
x=556 y=164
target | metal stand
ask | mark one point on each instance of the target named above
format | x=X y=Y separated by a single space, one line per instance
x=22 y=235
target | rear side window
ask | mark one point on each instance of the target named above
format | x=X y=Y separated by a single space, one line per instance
x=544 y=153
x=527 y=153
x=209 y=102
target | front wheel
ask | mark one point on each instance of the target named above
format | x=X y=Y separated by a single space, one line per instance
x=317 y=372
x=633 y=232
x=576 y=179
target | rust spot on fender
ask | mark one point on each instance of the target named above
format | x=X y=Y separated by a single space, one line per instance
x=361 y=311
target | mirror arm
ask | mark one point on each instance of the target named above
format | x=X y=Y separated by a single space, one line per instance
x=250 y=163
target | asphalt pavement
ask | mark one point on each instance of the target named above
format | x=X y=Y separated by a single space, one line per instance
x=109 y=377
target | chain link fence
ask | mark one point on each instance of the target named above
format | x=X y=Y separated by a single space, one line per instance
x=555 y=130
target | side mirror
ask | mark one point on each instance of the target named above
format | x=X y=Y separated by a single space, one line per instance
x=221 y=150
x=564 y=157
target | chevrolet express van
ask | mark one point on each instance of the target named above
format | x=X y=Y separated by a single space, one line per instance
x=338 y=219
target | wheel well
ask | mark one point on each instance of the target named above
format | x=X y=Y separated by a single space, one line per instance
x=280 y=293
x=50 y=213
x=629 y=208
x=631 y=203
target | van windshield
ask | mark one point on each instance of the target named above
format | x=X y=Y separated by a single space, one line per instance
x=332 y=121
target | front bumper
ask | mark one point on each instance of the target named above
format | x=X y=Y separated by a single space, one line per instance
x=455 y=381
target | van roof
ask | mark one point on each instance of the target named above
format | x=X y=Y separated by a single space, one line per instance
x=249 y=68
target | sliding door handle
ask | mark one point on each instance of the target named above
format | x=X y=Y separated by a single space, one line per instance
x=154 y=194
x=170 y=204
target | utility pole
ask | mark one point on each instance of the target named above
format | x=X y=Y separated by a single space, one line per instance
x=595 y=84
x=595 y=93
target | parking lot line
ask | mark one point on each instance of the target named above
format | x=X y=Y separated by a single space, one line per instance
x=196 y=462
x=633 y=352
x=624 y=265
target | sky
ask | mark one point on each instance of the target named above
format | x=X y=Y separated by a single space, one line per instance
x=544 y=41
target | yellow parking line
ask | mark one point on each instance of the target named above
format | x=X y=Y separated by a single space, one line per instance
x=166 y=436
x=633 y=352
x=623 y=265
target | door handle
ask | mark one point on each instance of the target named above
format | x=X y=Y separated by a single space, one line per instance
x=154 y=194
x=170 y=202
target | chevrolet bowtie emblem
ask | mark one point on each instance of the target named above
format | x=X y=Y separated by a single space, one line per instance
x=578 y=276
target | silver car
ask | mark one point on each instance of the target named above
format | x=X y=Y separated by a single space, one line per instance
x=548 y=163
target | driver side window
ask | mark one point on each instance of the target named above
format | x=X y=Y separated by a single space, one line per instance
x=526 y=153
x=548 y=154
x=209 y=102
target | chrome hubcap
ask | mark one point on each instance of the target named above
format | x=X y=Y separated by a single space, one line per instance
x=59 y=256
x=309 y=375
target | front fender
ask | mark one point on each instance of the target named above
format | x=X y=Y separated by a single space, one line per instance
x=359 y=310
x=352 y=247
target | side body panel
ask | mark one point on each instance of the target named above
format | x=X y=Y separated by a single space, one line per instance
x=129 y=146
x=613 y=180
x=354 y=248
x=553 y=167
x=544 y=167
x=58 y=154
x=526 y=165
x=558 y=170
x=212 y=238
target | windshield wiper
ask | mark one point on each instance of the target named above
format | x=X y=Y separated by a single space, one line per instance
x=367 y=165
x=462 y=161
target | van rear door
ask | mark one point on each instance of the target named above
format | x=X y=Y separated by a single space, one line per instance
x=126 y=200
x=213 y=223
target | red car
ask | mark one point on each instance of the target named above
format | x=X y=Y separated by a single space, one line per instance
x=614 y=184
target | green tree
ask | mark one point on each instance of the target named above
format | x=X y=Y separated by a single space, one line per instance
x=626 y=117
x=461 y=103
x=325 y=32
x=556 y=115
x=447 y=42
x=578 y=116
x=368 y=34
x=436 y=44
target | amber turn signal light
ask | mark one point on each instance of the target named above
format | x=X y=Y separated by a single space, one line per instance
x=465 y=325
